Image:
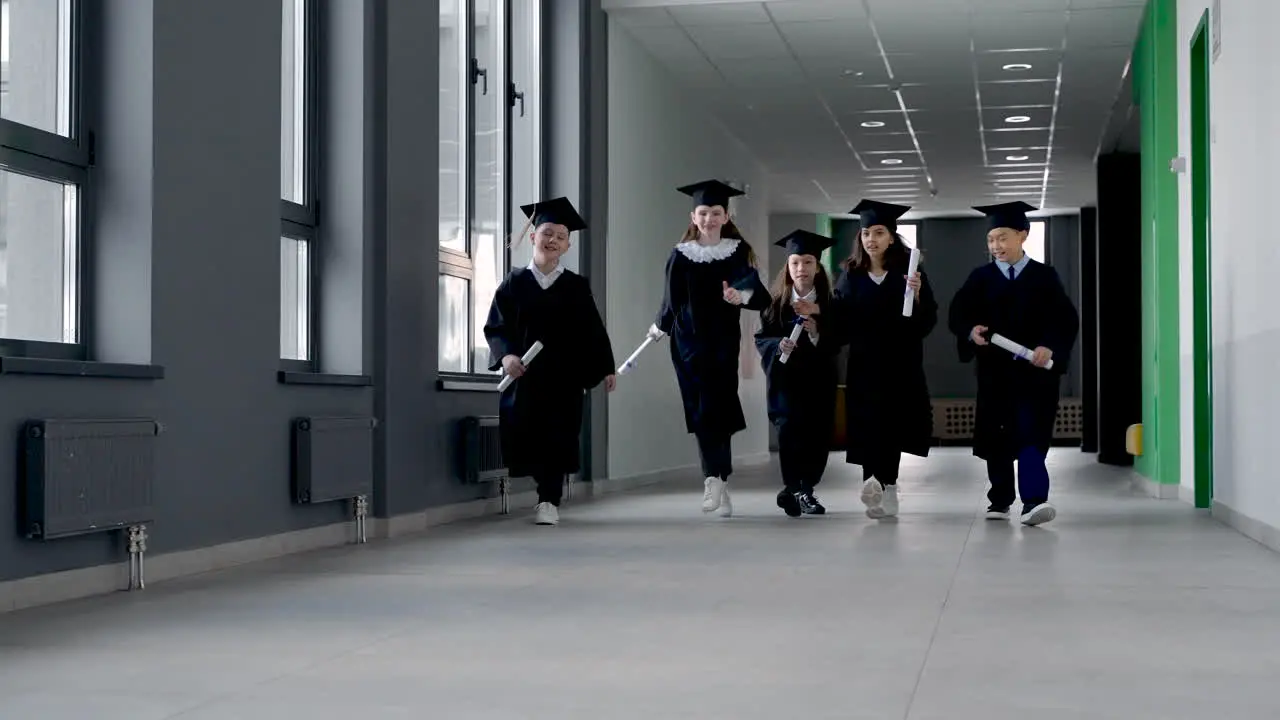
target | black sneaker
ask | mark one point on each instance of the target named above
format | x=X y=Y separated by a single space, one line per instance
x=809 y=504
x=997 y=513
x=789 y=502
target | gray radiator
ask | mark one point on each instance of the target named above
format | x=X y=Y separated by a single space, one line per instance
x=332 y=458
x=86 y=476
x=482 y=449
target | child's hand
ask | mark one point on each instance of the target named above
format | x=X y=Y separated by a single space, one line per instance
x=806 y=307
x=811 y=326
x=611 y=383
x=787 y=346
x=1041 y=356
x=976 y=335
x=656 y=333
x=731 y=295
x=913 y=282
x=512 y=366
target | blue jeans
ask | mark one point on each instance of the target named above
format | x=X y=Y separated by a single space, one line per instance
x=1032 y=475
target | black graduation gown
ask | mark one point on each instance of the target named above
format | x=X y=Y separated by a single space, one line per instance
x=706 y=336
x=802 y=391
x=1032 y=310
x=540 y=414
x=887 y=404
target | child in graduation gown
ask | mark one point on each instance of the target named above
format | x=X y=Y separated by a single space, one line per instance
x=887 y=406
x=802 y=390
x=710 y=278
x=1024 y=301
x=540 y=413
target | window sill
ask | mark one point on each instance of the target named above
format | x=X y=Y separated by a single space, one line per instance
x=469 y=383
x=292 y=377
x=79 y=368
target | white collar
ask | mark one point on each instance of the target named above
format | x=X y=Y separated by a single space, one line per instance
x=810 y=296
x=545 y=279
x=700 y=253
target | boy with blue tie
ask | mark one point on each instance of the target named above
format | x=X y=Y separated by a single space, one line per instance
x=1024 y=301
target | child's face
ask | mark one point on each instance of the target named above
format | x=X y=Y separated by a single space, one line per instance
x=709 y=218
x=1005 y=244
x=803 y=269
x=550 y=241
x=876 y=239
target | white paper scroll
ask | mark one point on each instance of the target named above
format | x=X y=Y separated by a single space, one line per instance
x=630 y=363
x=909 y=300
x=529 y=355
x=795 y=337
x=1016 y=349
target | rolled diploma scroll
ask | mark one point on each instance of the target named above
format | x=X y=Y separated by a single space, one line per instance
x=529 y=355
x=909 y=300
x=795 y=337
x=630 y=363
x=1016 y=349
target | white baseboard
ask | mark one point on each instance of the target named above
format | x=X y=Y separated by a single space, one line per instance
x=1151 y=488
x=1257 y=530
x=103 y=579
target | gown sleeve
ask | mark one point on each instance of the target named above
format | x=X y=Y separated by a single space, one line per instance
x=746 y=278
x=768 y=337
x=924 y=315
x=499 y=328
x=597 y=350
x=835 y=324
x=963 y=316
x=673 y=295
x=1063 y=319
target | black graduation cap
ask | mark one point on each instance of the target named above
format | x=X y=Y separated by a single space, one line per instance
x=874 y=212
x=1012 y=215
x=803 y=242
x=559 y=211
x=710 y=193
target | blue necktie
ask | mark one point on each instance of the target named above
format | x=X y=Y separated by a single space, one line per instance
x=1010 y=272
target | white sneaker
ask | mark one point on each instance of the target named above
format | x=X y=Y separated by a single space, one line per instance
x=873 y=498
x=546 y=514
x=712 y=493
x=889 y=504
x=1039 y=515
x=726 y=504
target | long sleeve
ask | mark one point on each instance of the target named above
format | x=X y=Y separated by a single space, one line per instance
x=499 y=330
x=768 y=338
x=961 y=320
x=597 y=350
x=1063 y=321
x=924 y=315
x=673 y=296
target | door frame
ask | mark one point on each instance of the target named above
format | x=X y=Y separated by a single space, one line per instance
x=1201 y=267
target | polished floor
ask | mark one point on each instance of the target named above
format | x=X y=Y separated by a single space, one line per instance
x=638 y=606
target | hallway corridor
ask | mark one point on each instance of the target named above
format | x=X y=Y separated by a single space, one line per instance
x=637 y=606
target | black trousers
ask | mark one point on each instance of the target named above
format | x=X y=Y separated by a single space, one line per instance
x=716 y=455
x=802 y=455
x=883 y=467
x=550 y=488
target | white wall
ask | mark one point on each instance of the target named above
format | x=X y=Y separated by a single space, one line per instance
x=1244 y=148
x=657 y=142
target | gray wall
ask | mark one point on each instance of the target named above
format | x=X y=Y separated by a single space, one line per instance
x=186 y=267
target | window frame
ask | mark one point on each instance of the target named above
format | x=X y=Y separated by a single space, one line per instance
x=48 y=156
x=301 y=221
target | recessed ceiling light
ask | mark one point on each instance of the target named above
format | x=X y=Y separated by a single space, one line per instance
x=872 y=124
x=1017 y=119
x=891 y=161
x=1016 y=158
x=853 y=73
x=1014 y=67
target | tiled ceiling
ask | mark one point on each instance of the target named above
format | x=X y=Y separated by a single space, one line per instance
x=939 y=104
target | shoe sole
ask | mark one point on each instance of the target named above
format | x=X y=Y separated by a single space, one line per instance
x=1039 y=515
x=997 y=516
x=872 y=494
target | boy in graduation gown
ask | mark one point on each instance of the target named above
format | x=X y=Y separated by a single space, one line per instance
x=802 y=391
x=540 y=414
x=1023 y=300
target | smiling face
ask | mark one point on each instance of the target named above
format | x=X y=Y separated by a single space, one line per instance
x=709 y=219
x=1005 y=244
x=550 y=241
x=876 y=239
x=803 y=268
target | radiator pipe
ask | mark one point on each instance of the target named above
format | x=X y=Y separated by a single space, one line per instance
x=361 y=512
x=137 y=557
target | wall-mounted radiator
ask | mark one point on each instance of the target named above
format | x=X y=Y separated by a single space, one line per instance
x=953 y=420
x=482 y=455
x=332 y=461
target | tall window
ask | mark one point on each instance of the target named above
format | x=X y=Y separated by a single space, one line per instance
x=489 y=161
x=297 y=186
x=910 y=234
x=1035 y=244
x=44 y=159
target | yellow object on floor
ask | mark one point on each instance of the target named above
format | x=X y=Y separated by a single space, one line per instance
x=1133 y=440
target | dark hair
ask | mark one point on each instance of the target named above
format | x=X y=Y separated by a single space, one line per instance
x=896 y=257
x=783 y=285
x=729 y=231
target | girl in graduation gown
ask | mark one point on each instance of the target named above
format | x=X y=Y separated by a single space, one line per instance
x=540 y=414
x=1024 y=301
x=887 y=407
x=710 y=278
x=802 y=390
